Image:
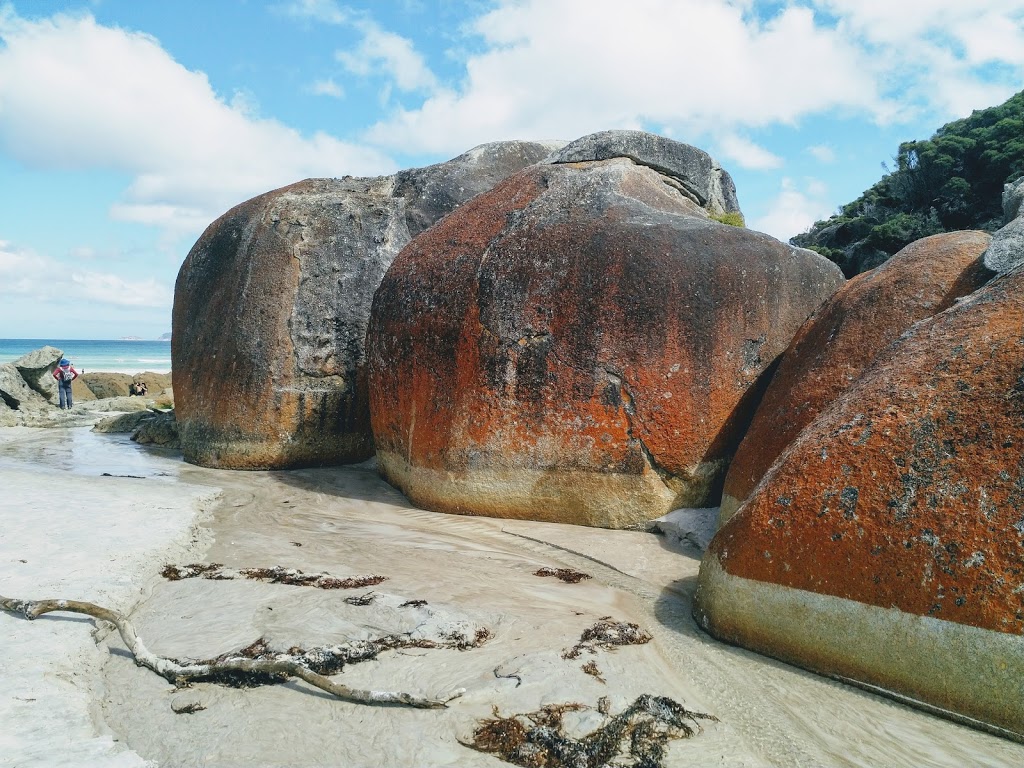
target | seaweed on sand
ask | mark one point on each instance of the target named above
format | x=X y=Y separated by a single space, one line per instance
x=274 y=575
x=636 y=737
x=607 y=634
x=568 y=575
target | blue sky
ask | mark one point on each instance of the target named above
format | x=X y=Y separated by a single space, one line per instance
x=127 y=126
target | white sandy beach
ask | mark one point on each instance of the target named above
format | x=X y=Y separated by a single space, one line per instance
x=67 y=698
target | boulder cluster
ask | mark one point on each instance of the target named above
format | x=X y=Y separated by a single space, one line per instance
x=578 y=333
x=28 y=391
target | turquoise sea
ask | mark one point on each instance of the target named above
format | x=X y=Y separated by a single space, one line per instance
x=122 y=356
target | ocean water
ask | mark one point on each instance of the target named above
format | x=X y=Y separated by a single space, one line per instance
x=120 y=356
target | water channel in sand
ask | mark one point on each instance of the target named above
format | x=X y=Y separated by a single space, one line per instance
x=471 y=572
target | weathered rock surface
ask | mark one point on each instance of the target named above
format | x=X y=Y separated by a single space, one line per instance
x=16 y=393
x=104 y=384
x=581 y=344
x=272 y=303
x=122 y=423
x=694 y=172
x=37 y=367
x=433 y=192
x=8 y=416
x=897 y=516
x=1007 y=248
x=842 y=338
x=158 y=429
x=80 y=391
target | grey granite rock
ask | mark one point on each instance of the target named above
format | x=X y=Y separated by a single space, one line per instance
x=16 y=393
x=702 y=178
x=36 y=368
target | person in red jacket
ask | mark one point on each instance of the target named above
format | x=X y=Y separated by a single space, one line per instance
x=65 y=373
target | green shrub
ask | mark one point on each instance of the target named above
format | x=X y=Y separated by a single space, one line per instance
x=732 y=218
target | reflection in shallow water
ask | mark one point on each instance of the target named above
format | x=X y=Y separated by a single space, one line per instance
x=84 y=452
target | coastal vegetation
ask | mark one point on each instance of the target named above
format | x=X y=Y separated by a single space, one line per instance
x=952 y=181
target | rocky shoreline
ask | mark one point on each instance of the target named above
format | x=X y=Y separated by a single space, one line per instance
x=28 y=398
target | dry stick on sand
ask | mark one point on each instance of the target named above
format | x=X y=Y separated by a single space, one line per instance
x=176 y=672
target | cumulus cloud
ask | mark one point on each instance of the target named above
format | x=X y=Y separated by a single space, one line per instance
x=695 y=68
x=794 y=210
x=327 y=88
x=78 y=95
x=388 y=54
x=562 y=68
x=45 y=281
x=747 y=154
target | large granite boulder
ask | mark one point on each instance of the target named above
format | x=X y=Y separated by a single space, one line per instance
x=692 y=171
x=271 y=306
x=1007 y=248
x=886 y=545
x=842 y=338
x=37 y=367
x=582 y=344
x=16 y=393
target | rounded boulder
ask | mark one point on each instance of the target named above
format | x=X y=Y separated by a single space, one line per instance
x=839 y=341
x=272 y=302
x=897 y=515
x=581 y=344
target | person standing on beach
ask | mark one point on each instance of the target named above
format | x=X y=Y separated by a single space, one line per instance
x=65 y=373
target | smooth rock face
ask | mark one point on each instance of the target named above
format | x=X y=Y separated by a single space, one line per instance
x=16 y=393
x=1007 y=248
x=897 y=516
x=842 y=338
x=271 y=307
x=581 y=344
x=701 y=178
x=37 y=367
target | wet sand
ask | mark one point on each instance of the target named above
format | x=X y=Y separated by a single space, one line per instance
x=470 y=571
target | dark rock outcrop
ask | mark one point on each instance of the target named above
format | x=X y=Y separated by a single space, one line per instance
x=271 y=307
x=897 y=515
x=580 y=344
x=842 y=338
x=37 y=367
x=1007 y=248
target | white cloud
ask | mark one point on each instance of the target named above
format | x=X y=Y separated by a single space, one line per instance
x=563 y=68
x=747 y=154
x=389 y=54
x=700 y=68
x=327 y=88
x=78 y=95
x=823 y=153
x=794 y=210
x=45 y=281
x=325 y=11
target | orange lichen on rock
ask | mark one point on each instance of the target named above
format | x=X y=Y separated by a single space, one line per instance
x=896 y=519
x=909 y=491
x=841 y=339
x=581 y=344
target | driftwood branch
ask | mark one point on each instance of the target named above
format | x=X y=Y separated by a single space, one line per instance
x=176 y=672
